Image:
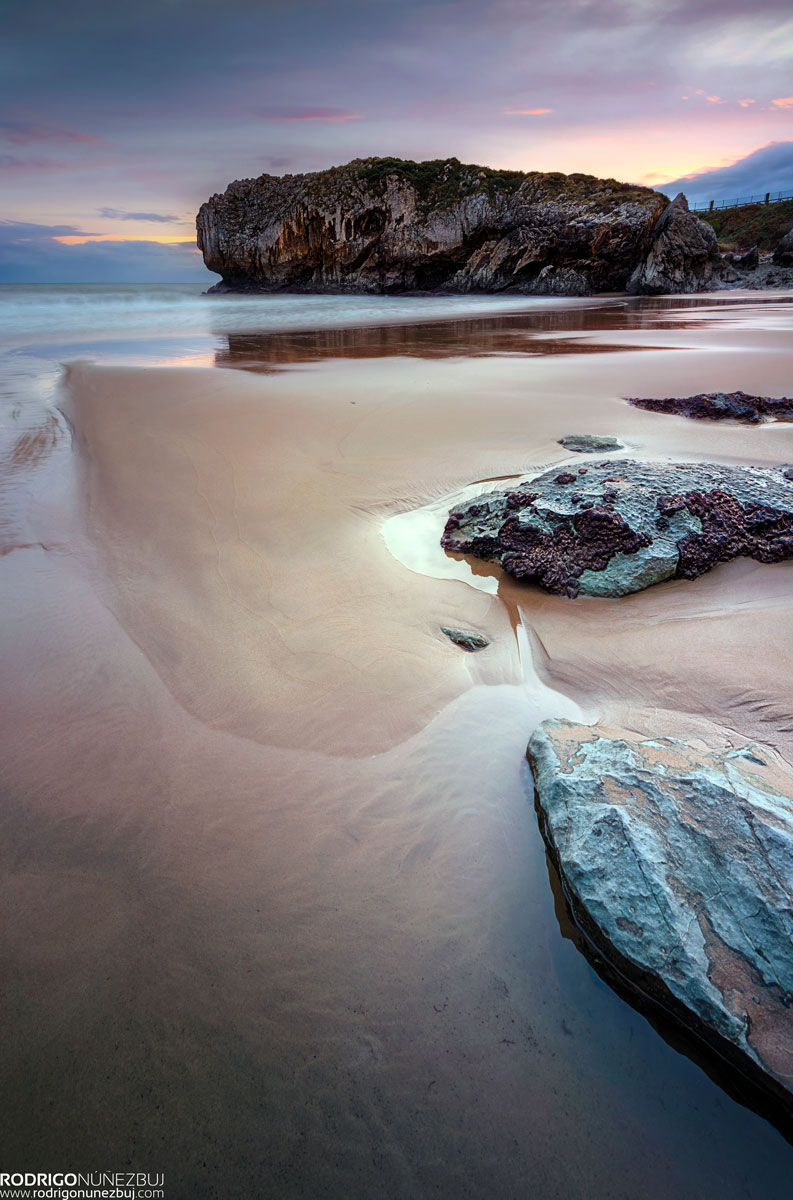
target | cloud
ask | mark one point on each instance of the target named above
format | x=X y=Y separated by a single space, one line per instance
x=769 y=169
x=120 y=214
x=22 y=132
x=784 y=102
x=334 y=115
x=43 y=260
x=224 y=92
x=11 y=162
x=12 y=232
x=747 y=100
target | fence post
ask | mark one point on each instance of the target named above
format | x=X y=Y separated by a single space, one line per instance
x=767 y=197
x=711 y=207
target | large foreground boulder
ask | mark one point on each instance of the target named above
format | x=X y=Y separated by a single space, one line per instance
x=611 y=528
x=677 y=864
x=684 y=255
x=385 y=224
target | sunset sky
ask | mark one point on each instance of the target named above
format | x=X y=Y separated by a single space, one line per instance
x=118 y=120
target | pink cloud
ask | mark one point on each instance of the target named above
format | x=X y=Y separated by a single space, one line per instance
x=715 y=100
x=784 y=102
x=309 y=114
x=23 y=132
x=9 y=162
x=747 y=100
x=527 y=112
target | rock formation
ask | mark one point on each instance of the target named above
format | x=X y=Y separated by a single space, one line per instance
x=380 y=225
x=616 y=527
x=465 y=639
x=749 y=261
x=783 y=255
x=684 y=255
x=720 y=406
x=590 y=443
x=677 y=864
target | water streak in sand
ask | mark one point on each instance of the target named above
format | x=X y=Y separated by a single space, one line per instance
x=280 y=919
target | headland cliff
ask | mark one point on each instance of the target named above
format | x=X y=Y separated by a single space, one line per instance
x=390 y=225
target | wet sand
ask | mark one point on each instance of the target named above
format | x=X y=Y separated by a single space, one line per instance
x=280 y=918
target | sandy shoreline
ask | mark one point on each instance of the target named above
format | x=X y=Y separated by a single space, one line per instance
x=269 y=850
x=266 y=597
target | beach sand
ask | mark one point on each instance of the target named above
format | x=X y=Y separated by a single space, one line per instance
x=280 y=918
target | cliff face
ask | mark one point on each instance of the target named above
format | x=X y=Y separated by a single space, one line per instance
x=684 y=255
x=380 y=225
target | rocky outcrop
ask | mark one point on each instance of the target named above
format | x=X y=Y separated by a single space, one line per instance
x=617 y=527
x=590 y=443
x=742 y=271
x=720 y=406
x=677 y=864
x=380 y=225
x=683 y=256
x=749 y=261
x=465 y=639
x=783 y=255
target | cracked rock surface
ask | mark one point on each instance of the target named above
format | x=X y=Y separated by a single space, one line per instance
x=611 y=528
x=677 y=863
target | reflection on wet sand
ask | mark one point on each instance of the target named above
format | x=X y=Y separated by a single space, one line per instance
x=541 y=332
x=29 y=437
x=34 y=444
x=280 y=923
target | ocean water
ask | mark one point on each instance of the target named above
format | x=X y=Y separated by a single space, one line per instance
x=281 y=922
x=179 y=323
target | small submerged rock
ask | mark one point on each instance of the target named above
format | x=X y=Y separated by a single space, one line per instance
x=590 y=443
x=465 y=639
x=617 y=527
x=720 y=406
x=678 y=866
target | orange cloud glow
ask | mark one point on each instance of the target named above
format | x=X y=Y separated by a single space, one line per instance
x=746 y=102
x=81 y=239
x=784 y=102
x=527 y=112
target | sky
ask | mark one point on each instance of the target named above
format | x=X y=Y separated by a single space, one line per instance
x=118 y=120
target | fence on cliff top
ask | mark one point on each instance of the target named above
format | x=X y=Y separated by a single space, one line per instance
x=763 y=198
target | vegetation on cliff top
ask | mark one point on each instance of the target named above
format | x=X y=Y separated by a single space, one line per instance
x=761 y=225
x=439 y=179
x=441 y=182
